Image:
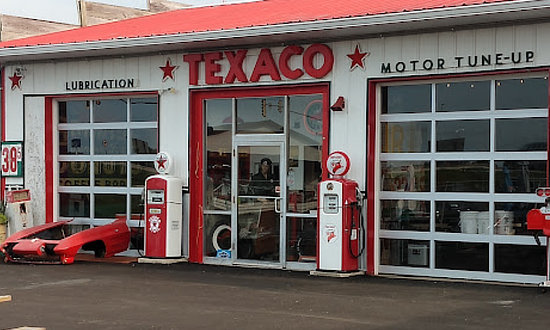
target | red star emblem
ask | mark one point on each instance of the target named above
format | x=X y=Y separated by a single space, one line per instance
x=15 y=81
x=168 y=70
x=161 y=161
x=357 y=58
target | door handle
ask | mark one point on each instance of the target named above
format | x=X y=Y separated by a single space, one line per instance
x=278 y=204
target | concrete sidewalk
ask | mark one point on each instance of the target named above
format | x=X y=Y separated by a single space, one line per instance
x=186 y=296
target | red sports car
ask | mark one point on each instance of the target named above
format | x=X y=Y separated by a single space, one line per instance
x=49 y=243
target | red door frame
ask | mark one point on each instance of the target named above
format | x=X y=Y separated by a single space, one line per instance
x=372 y=126
x=196 y=146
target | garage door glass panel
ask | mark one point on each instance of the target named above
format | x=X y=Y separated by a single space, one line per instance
x=140 y=172
x=109 y=205
x=110 y=174
x=463 y=96
x=462 y=176
x=519 y=176
x=144 y=141
x=462 y=135
x=405 y=176
x=260 y=115
x=74 y=142
x=462 y=256
x=406 y=136
x=110 y=110
x=74 y=205
x=143 y=109
x=406 y=99
x=510 y=218
x=403 y=252
x=109 y=141
x=405 y=215
x=462 y=217
x=74 y=173
x=527 y=93
x=520 y=259
x=533 y=132
x=74 y=112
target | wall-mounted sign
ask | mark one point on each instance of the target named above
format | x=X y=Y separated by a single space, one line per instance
x=80 y=85
x=266 y=65
x=338 y=163
x=466 y=61
x=12 y=159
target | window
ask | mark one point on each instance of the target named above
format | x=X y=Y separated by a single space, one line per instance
x=106 y=151
x=461 y=163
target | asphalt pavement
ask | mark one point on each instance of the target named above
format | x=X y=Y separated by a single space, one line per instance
x=88 y=295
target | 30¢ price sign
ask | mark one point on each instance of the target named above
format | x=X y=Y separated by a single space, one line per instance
x=12 y=159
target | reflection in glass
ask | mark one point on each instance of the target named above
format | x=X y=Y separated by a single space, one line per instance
x=405 y=176
x=74 y=205
x=143 y=109
x=462 y=176
x=411 y=136
x=304 y=155
x=260 y=115
x=405 y=215
x=462 y=256
x=404 y=252
x=137 y=207
x=463 y=96
x=520 y=259
x=258 y=229
x=144 y=140
x=521 y=134
x=218 y=157
x=258 y=222
x=109 y=205
x=110 y=110
x=74 y=112
x=109 y=141
x=301 y=236
x=407 y=99
x=141 y=171
x=517 y=176
x=462 y=217
x=110 y=174
x=217 y=233
x=74 y=142
x=511 y=218
x=530 y=93
x=462 y=135
x=74 y=173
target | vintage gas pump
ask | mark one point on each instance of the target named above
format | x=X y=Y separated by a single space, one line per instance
x=163 y=213
x=339 y=218
x=539 y=220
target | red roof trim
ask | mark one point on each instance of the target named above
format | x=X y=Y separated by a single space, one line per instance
x=235 y=16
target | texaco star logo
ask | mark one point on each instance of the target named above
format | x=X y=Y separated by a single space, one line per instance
x=168 y=70
x=357 y=58
x=163 y=163
x=15 y=81
x=154 y=224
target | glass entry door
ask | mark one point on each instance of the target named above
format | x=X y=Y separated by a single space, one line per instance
x=260 y=185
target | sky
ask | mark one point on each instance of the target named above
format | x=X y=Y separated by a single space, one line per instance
x=66 y=11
